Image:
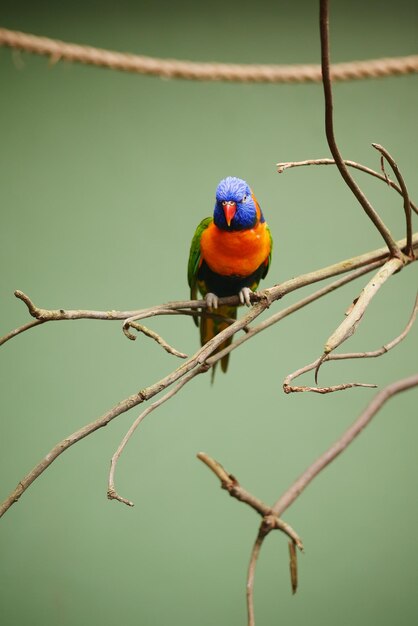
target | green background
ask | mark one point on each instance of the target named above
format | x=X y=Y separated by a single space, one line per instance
x=103 y=179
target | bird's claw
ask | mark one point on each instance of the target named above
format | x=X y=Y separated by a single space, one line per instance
x=211 y=300
x=245 y=296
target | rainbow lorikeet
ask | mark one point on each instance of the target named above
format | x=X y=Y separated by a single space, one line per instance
x=229 y=254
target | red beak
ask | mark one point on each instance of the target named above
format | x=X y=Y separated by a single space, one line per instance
x=230 y=208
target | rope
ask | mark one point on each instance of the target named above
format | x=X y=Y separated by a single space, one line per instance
x=190 y=70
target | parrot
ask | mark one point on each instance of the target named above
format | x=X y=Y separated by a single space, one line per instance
x=230 y=253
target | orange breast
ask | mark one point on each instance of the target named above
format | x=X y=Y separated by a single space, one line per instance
x=235 y=252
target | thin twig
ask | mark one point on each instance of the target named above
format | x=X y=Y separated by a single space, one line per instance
x=406 y=200
x=329 y=130
x=325 y=390
x=231 y=484
x=153 y=335
x=217 y=469
x=179 y=309
x=362 y=168
x=112 y=494
x=251 y=576
x=21 y=329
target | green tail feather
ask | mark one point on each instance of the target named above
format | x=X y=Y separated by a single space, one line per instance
x=211 y=326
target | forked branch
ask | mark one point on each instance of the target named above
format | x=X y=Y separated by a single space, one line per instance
x=203 y=357
x=231 y=484
x=268 y=523
x=288 y=388
x=270 y=514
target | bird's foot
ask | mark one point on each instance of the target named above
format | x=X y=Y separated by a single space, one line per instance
x=245 y=296
x=211 y=300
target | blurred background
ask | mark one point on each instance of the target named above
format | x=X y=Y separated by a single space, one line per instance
x=103 y=178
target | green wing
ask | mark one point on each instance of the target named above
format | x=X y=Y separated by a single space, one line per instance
x=194 y=257
x=271 y=251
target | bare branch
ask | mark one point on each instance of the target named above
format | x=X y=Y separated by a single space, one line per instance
x=329 y=130
x=362 y=168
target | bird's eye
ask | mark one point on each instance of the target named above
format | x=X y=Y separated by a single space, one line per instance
x=223 y=202
x=244 y=199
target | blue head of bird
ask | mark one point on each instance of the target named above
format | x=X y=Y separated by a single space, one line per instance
x=235 y=208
